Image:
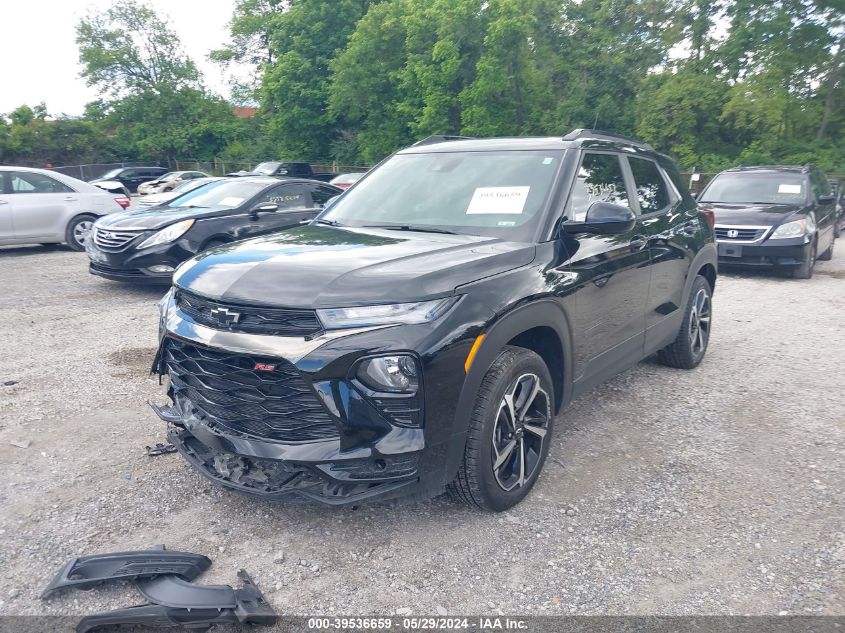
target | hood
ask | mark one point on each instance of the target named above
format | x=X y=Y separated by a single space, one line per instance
x=752 y=214
x=322 y=266
x=158 y=217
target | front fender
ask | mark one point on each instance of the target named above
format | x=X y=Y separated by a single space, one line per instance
x=542 y=313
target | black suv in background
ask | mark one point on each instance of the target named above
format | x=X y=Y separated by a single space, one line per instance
x=425 y=330
x=781 y=217
x=128 y=177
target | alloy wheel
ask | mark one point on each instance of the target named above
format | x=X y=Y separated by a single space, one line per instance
x=699 y=323
x=520 y=432
x=81 y=231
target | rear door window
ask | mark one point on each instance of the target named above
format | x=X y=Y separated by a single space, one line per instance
x=599 y=179
x=288 y=197
x=321 y=194
x=652 y=190
x=27 y=182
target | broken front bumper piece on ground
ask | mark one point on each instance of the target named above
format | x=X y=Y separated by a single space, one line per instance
x=163 y=578
x=196 y=606
x=88 y=571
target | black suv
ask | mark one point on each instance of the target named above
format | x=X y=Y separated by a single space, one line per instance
x=129 y=177
x=782 y=217
x=425 y=330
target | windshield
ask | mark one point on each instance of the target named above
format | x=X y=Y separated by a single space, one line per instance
x=757 y=188
x=223 y=193
x=266 y=169
x=171 y=175
x=189 y=185
x=498 y=194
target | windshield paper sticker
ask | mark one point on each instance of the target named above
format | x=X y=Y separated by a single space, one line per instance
x=789 y=189
x=231 y=201
x=498 y=200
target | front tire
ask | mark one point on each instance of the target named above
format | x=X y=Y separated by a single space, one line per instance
x=689 y=347
x=828 y=254
x=509 y=432
x=77 y=231
x=808 y=266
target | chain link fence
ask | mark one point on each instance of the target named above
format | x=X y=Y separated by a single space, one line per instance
x=216 y=167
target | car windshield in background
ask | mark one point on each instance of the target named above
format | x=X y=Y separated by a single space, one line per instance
x=225 y=193
x=188 y=185
x=266 y=169
x=756 y=188
x=498 y=194
x=173 y=175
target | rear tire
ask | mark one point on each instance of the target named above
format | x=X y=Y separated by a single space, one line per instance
x=509 y=432
x=691 y=343
x=805 y=270
x=77 y=231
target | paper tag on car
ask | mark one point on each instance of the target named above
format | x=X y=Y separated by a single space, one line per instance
x=498 y=200
x=231 y=201
x=789 y=189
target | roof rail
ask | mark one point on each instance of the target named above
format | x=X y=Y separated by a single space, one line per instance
x=601 y=134
x=440 y=138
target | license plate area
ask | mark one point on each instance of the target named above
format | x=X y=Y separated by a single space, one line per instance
x=730 y=250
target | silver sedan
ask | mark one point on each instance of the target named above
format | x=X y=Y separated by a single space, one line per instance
x=39 y=206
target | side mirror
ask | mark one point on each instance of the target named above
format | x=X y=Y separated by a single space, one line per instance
x=330 y=201
x=603 y=218
x=265 y=207
x=829 y=199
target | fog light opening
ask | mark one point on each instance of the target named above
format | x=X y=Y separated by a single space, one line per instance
x=161 y=268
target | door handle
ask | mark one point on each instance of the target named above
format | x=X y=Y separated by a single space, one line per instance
x=70 y=198
x=638 y=243
x=4 y=202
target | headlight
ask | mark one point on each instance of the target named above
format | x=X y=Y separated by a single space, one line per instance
x=392 y=314
x=397 y=373
x=796 y=228
x=167 y=234
x=163 y=304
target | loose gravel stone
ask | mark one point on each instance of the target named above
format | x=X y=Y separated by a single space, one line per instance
x=674 y=477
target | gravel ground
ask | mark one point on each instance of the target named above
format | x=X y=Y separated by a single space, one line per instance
x=716 y=491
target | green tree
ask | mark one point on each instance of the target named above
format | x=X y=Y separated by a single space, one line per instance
x=295 y=87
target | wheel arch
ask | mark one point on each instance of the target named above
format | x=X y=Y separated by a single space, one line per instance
x=541 y=326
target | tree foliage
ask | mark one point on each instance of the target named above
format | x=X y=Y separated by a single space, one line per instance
x=713 y=82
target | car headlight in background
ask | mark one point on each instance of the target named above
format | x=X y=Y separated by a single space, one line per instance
x=391 y=314
x=167 y=234
x=796 y=228
x=398 y=373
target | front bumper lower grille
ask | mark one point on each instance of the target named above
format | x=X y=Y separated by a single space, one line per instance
x=250 y=319
x=226 y=389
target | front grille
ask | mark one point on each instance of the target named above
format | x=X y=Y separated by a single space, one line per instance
x=737 y=234
x=227 y=390
x=246 y=318
x=113 y=240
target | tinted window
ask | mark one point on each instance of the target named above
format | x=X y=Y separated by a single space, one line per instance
x=25 y=182
x=287 y=197
x=320 y=194
x=757 y=187
x=652 y=192
x=599 y=180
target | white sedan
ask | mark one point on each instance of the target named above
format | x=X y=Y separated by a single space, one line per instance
x=39 y=206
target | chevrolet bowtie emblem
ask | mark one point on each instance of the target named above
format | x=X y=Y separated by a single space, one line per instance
x=225 y=316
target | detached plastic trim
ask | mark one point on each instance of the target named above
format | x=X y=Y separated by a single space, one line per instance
x=88 y=571
x=246 y=605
